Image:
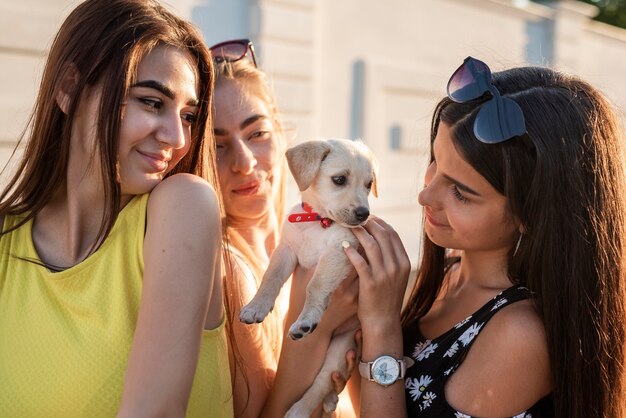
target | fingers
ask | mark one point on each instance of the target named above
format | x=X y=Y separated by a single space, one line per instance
x=385 y=255
x=351 y=360
x=358 y=261
x=396 y=243
x=394 y=254
x=358 y=338
x=339 y=382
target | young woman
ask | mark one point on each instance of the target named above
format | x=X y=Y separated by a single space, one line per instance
x=527 y=179
x=250 y=144
x=109 y=261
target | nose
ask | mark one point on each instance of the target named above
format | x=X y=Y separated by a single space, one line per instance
x=172 y=132
x=361 y=213
x=431 y=195
x=426 y=195
x=244 y=160
x=423 y=196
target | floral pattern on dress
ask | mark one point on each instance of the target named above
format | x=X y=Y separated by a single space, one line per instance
x=417 y=386
x=426 y=351
x=463 y=322
x=496 y=305
x=427 y=400
x=470 y=333
x=419 y=347
x=452 y=350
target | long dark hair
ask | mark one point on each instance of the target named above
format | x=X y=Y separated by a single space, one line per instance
x=566 y=182
x=102 y=42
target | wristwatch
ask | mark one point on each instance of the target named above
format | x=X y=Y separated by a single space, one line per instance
x=385 y=370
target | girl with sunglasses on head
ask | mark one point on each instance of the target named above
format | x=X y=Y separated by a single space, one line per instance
x=250 y=145
x=527 y=183
x=110 y=291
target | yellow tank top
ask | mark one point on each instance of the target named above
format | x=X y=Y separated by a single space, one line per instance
x=65 y=337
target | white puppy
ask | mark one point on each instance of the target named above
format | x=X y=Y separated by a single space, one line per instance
x=335 y=177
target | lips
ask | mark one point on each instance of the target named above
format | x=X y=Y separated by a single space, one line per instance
x=247 y=189
x=431 y=220
x=158 y=162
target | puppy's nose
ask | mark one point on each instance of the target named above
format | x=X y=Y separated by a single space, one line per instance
x=361 y=213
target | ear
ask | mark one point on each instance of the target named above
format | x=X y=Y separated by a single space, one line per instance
x=67 y=88
x=305 y=159
x=375 y=167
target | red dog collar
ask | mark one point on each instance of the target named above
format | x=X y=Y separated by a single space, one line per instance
x=309 y=216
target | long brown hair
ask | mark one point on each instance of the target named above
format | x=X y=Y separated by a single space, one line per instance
x=566 y=181
x=102 y=43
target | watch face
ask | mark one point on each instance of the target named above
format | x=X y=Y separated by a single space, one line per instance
x=385 y=370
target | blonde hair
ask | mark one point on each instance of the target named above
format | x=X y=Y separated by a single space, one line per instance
x=249 y=77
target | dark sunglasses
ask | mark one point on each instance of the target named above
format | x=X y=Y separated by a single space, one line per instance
x=234 y=50
x=500 y=118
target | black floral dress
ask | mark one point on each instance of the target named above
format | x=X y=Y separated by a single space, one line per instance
x=437 y=360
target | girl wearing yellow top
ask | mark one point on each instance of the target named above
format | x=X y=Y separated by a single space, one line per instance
x=110 y=291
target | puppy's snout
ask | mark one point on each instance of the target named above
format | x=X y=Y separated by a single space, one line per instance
x=361 y=213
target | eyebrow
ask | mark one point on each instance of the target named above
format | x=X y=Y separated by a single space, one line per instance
x=249 y=121
x=157 y=85
x=461 y=185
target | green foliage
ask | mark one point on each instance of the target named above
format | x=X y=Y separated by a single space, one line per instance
x=612 y=12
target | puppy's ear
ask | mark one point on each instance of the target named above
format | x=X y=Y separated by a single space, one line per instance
x=375 y=166
x=305 y=159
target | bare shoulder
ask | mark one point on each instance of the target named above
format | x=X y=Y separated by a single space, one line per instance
x=183 y=191
x=507 y=370
x=183 y=210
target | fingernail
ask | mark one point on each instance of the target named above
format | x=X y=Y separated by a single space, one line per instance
x=345 y=244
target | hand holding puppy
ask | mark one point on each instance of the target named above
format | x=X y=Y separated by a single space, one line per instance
x=383 y=273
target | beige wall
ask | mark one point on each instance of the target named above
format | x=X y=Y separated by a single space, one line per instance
x=352 y=67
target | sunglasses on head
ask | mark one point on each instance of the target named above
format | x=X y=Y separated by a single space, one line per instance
x=234 y=50
x=499 y=118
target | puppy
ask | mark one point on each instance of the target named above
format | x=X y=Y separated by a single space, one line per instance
x=335 y=178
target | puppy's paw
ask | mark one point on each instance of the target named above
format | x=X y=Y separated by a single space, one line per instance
x=330 y=402
x=255 y=311
x=304 y=325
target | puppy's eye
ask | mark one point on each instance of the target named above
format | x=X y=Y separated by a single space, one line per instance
x=369 y=185
x=339 y=180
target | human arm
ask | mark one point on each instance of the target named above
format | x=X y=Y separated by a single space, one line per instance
x=181 y=295
x=383 y=275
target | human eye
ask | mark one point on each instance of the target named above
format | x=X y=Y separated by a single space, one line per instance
x=457 y=194
x=190 y=118
x=261 y=135
x=152 y=104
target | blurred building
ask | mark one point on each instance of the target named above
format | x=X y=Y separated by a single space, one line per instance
x=353 y=68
